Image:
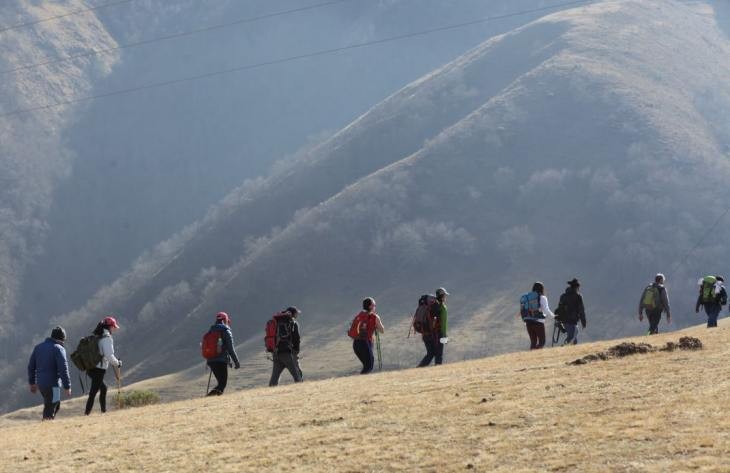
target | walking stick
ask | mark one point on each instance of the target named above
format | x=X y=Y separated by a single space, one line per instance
x=118 y=374
x=377 y=344
x=208 y=388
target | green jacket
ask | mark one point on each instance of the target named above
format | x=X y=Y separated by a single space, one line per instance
x=444 y=320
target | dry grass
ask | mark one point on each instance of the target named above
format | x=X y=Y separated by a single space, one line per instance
x=520 y=412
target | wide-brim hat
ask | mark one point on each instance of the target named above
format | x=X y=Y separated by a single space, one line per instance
x=573 y=282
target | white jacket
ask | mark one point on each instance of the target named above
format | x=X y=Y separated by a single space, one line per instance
x=106 y=348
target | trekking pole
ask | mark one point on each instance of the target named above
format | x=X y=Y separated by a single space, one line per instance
x=118 y=374
x=380 y=358
x=207 y=389
x=410 y=327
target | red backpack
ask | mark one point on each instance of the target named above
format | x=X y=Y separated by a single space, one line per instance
x=278 y=330
x=362 y=327
x=212 y=344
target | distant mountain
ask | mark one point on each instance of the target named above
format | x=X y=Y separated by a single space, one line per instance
x=590 y=143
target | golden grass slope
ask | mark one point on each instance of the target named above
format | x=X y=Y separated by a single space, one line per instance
x=664 y=411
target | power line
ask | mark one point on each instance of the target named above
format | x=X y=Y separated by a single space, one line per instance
x=57 y=17
x=175 y=36
x=258 y=65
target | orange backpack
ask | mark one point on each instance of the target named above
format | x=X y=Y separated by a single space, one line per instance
x=362 y=327
x=212 y=344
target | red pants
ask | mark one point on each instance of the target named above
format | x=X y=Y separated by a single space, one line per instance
x=536 y=331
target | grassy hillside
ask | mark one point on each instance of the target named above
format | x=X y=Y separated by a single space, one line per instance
x=528 y=411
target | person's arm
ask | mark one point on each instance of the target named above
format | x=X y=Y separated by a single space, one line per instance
x=228 y=337
x=62 y=368
x=106 y=344
x=665 y=301
x=545 y=307
x=641 y=305
x=32 y=377
x=698 y=304
x=581 y=311
x=444 y=320
x=379 y=324
x=295 y=338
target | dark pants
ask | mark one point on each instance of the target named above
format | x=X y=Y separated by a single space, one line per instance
x=364 y=351
x=571 y=331
x=536 y=332
x=654 y=316
x=434 y=350
x=50 y=408
x=712 y=311
x=289 y=361
x=97 y=386
x=220 y=371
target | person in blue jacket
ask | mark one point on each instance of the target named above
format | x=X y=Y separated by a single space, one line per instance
x=219 y=365
x=48 y=371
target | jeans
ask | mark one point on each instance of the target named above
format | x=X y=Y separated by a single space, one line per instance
x=434 y=350
x=536 y=332
x=572 y=334
x=289 y=361
x=50 y=408
x=654 y=317
x=220 y=371
x=712 y=311
x=97 y=385
x=364 y=351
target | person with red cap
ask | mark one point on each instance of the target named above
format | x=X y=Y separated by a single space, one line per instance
x=103 y=332
x=219 y=364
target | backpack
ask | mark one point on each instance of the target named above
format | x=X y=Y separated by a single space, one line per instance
x=650 y=298
x=362 y=327
x=707 y=289
x=425 y=319
x=87 y=354
x=278 y=330
x=530 y=306
x=212 y=345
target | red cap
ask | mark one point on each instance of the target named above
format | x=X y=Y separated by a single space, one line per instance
x=110 y=321
x=222 y=317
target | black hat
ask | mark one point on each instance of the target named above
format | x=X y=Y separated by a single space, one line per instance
x=573 y=283
x=58 y=333
x=293 y=310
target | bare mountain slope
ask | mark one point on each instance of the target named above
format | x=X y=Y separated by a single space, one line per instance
x=582 y=144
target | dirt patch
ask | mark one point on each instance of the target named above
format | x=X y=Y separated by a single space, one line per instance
x=630 y=348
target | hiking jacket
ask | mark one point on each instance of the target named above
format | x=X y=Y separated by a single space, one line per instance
x=48 y=365
x=284 y=346
x=720 y=296
x=228 y=353
x=663 y=299
x=106 y=348
x=572 y=309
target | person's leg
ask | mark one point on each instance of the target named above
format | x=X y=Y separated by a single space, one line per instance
x=540 y=333
x=371 y=357
x=570 y=336
x=220 y=371
x=712 y=312
x=276 y=369
x=654 y=318
x=438 y=350
x=97 y=379
x=360 y=349
x=430 y=352
x=532 y=333
x=291 y=362
x=48 y=404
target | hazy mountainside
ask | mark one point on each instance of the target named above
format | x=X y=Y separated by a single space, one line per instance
x=588 y=143
x=33 y=157
x=148 y=163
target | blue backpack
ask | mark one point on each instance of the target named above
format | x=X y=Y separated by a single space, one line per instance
x=530 y=306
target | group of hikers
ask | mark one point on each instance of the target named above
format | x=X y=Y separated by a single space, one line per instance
x=48 y=368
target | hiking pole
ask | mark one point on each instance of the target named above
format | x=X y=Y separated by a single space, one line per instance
x=118 y=374
x=208 y=388
x=377 y=344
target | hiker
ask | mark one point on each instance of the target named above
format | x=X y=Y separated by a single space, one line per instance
x=48 y=370
x=435 y=337
x=654 y=301
x=364 y=325
x=570 y=311
x=226 y=352
x=712 y=297
x=103 y=332
x=534 y=307
x=285 y=350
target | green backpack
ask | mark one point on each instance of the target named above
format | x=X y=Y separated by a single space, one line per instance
x=87 y=354
x=650 y=299
x=707 y=289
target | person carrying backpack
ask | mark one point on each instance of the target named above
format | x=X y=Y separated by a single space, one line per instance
x=364 y=325
x=285 y=351
x=534 y=307
x=435 y=336
x=712 y=297
x=103 y=332
x=219 y=362
x=654 y=301
x=571 y=310
x=48 y=371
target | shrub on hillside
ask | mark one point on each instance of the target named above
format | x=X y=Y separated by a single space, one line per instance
x=136 y=398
